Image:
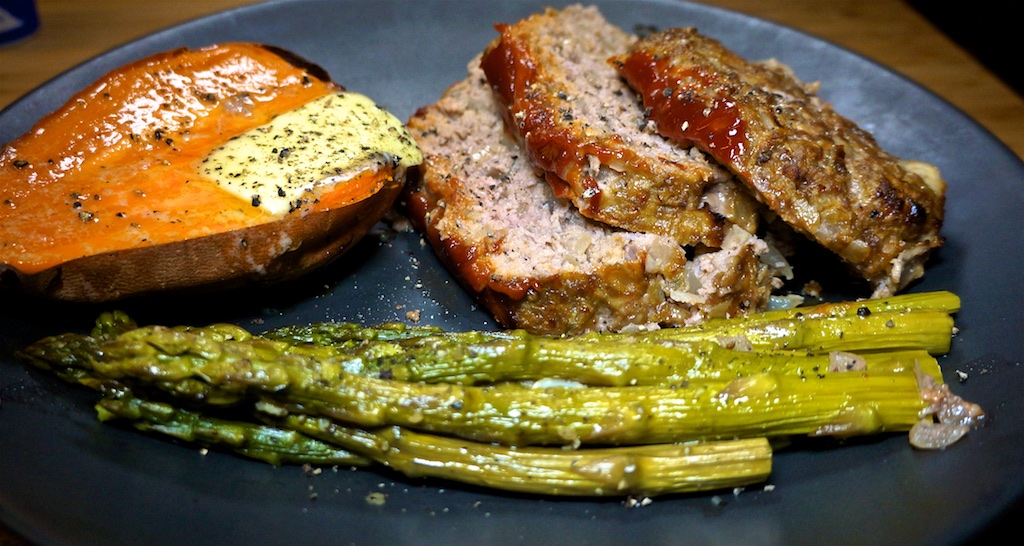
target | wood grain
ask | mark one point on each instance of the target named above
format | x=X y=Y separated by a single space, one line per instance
x=886 y=31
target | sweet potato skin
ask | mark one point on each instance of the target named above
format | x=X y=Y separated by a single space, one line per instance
x=284 y=250
x=101 y=200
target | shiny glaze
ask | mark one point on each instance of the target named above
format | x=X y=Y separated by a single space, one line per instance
x=817 y=170
x=579 y=124
x=472 y=271
x=716 y=125
x=510 y=68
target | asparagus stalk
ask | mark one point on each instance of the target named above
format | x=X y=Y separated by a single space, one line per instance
x=638 y=470
x=773 y=404
x=510 y=414
x=273 y=445
x=253 y=440
x=435 y=359
x=913 y=320
x=942 y=301
x=878 y=331
x=905 y=321
x=76 y=358
x=183 y=359
x=641 y=470
x=764 y=404
x=346 y=334
x=451 y=405
x=233 y=367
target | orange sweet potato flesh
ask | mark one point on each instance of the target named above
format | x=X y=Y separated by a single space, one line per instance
x=101 y=199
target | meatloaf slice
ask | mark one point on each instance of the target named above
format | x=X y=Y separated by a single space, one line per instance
x=532 y=259
x=820 y=172
x=586 y=129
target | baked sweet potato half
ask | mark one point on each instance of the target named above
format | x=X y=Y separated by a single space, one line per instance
x=208 y=167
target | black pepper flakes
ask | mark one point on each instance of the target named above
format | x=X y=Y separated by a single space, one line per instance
x=20 y=163
x=256 y=200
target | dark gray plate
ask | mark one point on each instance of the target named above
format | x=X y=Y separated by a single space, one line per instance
x=66 y=479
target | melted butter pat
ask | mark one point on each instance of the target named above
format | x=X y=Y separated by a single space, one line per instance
x=280 y=165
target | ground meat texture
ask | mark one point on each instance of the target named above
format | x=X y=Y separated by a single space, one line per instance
x=533 y=260
x=818 y=171
x=585 y=129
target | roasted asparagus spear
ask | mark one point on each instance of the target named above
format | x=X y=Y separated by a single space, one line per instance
x=270 y=444
x=636 y=470
x=488 y=404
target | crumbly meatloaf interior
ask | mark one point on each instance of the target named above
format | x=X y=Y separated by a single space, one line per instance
x=533 y=260
x=581 y=124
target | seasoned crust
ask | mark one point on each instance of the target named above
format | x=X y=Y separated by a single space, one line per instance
x=818 y=171
x=584 y=128
x=532 y=260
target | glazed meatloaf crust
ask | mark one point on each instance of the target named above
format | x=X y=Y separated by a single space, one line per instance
x=532 y=259
x=585 y=128
x=817 y=170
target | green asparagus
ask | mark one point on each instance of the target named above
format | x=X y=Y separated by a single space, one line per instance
x=172 y=354
x=641 y=470
x=511 y=414
x=273 y=445
x=436 y=359
x=906 y=321
x=849 y=403
x=485 y=407
x=879 y=331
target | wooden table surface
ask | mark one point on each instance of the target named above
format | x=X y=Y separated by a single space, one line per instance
x=887 y=31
